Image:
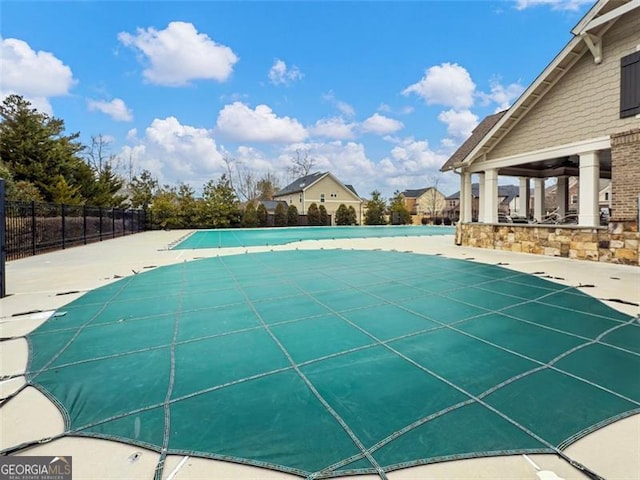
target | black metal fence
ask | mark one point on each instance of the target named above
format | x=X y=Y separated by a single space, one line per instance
x=34 y=227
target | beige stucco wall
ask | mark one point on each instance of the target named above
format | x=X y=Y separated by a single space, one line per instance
x=431 y=202
x=329 y=186
x=584 y=104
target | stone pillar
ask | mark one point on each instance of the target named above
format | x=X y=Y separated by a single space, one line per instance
x=481 y=195
x=562 y=195
x=491 y=196
x=467 y=199
x=538 y=198
x=588 y=211
x=524 y=195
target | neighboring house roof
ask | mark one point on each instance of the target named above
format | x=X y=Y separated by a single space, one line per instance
x=476 y=136
x=350 y=187
x=302 y=183
x=592 y=26
x=415 y=193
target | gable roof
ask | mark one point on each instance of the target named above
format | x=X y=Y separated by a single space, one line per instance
x=303 y=183
x=415 y=193
x=592 y=26
x=476 y=136
x=300 y=184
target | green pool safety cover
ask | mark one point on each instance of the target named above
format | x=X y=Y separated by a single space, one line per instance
x=334 y=362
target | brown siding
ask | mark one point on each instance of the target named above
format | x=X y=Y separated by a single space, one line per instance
x=584 y=104
x=625 y=175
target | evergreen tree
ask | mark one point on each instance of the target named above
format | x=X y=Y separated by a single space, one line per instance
x=142 y=189
x=61 y=192
x=164 y=209
x=292 y=215
x=313 y=215
x=220 y=204
x=187 y=209
x=324 y=216
x=263 y=215
x=35 y=149
x=375 y=210
x=342 y=215
x=400 y=215
x=250 y=216
x=353 y=216
x=280 y=217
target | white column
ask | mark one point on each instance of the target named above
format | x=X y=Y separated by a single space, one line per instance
x=562 y=195
x=588 y=213
x=481 y=196
x=524 y=195
x=465 y=207
x=491 y=196
x=538 y=198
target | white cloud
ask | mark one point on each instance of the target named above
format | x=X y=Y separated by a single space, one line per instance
x=344 y=108
x=385 y=108
x=239 y=122
x=501 y=95
x=447 y=84
x=179 y=54
x=175 y=152
x=460 y=124
x=381 y=125
x=554 y=4
x=37 y=76
x=116 y=109
x=279 y=74
x=334 y=128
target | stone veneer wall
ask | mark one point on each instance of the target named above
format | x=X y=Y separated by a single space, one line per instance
x=619 y=243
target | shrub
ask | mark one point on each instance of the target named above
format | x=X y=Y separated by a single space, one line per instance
x=292 y=215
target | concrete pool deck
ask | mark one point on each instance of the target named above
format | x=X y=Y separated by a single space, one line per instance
x=45 y=283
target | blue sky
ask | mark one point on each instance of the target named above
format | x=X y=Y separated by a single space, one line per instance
x=380 y=93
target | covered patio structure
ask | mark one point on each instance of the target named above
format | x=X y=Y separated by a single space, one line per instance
x=580 y=118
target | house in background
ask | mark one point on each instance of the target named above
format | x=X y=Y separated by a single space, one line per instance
x=579 y=118
x=507 y=202
x=425 y=202
x=322 y=189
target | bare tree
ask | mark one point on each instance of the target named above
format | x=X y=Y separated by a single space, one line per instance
x=98 y=155
x=242 y=179
x=434 y=203
x=301 y=164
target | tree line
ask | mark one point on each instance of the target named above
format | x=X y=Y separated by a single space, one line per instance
x=41 y=162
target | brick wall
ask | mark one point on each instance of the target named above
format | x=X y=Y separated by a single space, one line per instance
x=625 y=175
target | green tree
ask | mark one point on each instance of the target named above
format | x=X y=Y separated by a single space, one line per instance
x=263 y=215
x=353 y=216
x=313 y=215
x=250 y=216
x=375 y=210
x=342 y=215
x=220 y=204
x=35 y=149
x=280 y=217
x=61 y=192
x=187 y=209
x=292 y=215
x=142 y=189
x=324 y=216
x=164 y=209
x=400 y=215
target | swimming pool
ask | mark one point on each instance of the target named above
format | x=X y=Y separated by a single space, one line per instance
x=250 y=237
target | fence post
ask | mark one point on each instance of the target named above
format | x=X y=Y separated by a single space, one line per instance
x=113 y=223
x=63 y=211
x=100 y=228
x=3 y=224
x=124 y=222
x=84 y=224
x=33 y=227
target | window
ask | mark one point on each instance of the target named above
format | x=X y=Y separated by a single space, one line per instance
x=606 y=195
x=300 y=198
x=574 y=199
x=630 y=85
x=322 y=198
